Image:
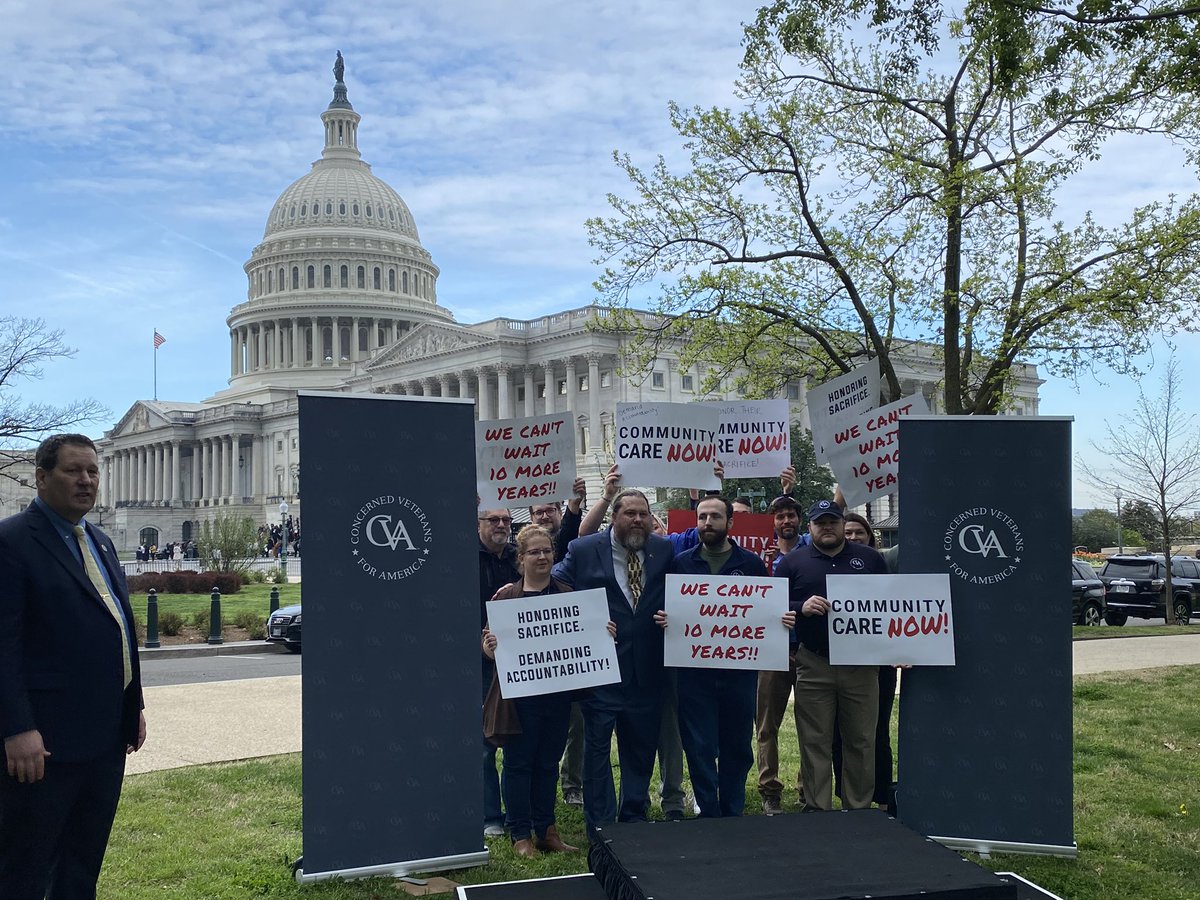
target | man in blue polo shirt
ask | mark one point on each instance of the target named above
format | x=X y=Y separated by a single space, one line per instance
x=825 y=694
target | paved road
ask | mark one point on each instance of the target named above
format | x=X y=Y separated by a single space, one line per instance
x=271 y=663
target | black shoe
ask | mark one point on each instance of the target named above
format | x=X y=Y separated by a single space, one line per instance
x=675 y=815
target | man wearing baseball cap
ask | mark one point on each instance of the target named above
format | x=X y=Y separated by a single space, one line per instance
x=825 y=694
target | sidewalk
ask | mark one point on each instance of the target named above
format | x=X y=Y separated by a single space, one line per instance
x=190 y=724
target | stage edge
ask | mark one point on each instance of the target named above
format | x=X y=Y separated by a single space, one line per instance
x=398 y=869
x=987 y=848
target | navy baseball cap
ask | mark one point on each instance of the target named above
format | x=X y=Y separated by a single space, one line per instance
x=824 y=508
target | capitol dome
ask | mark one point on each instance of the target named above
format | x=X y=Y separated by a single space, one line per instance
x=340 y=273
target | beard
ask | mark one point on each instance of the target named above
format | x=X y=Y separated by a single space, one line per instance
x=712 y=538
x=788 y=532
x=632 y=539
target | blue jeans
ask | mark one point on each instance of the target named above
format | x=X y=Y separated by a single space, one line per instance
x=716 y=724
x=531 y=764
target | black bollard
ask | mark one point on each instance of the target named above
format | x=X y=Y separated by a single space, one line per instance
x=214 y=619
x=274 y=600
x=152 y=619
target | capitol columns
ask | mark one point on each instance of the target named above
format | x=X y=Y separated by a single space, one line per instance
x=233 y=352
x=530 y=399
x=173 y=493
x=256 y=467
x=551 y=386
x=444 y=385
x=336 y=329
x=595 y=429
x=572 y=384
x=235 y=489
x=503 y=402
x=484 y=396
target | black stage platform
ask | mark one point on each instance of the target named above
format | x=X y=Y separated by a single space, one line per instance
x=792 y=857
x=818 y=856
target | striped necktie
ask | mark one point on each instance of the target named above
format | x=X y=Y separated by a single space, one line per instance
x=92 y=565
x=635 y=576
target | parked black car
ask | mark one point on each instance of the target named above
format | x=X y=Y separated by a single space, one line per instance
x=1087 y=594
x=283 y=627
x=1135 y=586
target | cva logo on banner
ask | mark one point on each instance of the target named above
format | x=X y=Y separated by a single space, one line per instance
x=983 y=545
x=390 y=538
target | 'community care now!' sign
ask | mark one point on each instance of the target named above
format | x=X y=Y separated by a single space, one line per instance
x=890 y=620
x=553 y=642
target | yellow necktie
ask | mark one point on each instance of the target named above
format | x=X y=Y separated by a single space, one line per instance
x=92 y=565
x=635 y=576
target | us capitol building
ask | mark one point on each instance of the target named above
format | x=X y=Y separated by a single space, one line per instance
x=342 y=296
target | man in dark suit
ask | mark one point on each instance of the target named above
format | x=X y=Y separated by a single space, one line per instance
x=631 y=563
x=70 y=688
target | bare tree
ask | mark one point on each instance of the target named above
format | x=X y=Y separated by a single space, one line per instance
x=1154 y=456
x=25 y=346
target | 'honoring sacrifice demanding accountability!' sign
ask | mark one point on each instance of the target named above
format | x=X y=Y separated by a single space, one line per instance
x=668 y=444
x=524 y=461
x=726 y=622
x=754 y=440
x=890 y=620
x=553 y=642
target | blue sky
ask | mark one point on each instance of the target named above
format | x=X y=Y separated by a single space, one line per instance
x=143 y=145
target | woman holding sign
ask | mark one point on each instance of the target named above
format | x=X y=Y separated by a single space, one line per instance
x=530 y=783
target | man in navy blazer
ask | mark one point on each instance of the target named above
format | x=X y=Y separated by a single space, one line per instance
x=632 y=707
x=70 y=687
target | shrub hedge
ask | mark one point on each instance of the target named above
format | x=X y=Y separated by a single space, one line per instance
x=185 y=581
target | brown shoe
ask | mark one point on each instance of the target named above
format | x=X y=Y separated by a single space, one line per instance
x=524 y=847
x=550 y=842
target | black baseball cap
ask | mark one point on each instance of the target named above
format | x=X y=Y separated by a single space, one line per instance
x=824 y=508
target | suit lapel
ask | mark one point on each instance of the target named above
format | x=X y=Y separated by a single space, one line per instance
x=47 y=535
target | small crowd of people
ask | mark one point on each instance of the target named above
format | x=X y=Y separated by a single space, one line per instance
x=271 y=538
x=170 y=550
x=723 y=721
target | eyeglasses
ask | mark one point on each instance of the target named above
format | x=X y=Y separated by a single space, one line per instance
x=540 y=551
x=496 y=520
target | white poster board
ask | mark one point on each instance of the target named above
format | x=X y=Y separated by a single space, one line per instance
x=754 y=438
x=668 y=444
x=865 y=455
x=890 y=620
x=520 y=462
x=553 y=642
x=838 y=401
x=726 y=622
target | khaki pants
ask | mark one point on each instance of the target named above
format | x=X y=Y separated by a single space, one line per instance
x=849 y=695
x=774 y=689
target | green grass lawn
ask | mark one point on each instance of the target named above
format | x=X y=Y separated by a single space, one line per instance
x=254 y=598
x=231 y=831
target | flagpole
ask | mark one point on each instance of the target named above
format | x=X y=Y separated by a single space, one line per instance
x=154 y=340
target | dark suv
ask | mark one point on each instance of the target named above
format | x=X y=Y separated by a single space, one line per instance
x=1134 y=586
x=1087 y=594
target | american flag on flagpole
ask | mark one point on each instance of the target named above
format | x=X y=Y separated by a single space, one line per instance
x=159 y=340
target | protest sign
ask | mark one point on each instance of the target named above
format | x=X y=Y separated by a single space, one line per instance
x=865 y=455
x=889 y=620
x=525 y=461
x=726 y=622
x=552 y=643
x=838 y=401
x=668 y=444
x=752 y=531
x=754 y=438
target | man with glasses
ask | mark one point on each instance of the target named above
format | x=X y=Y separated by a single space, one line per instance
x=631 y=563
x=497 y=567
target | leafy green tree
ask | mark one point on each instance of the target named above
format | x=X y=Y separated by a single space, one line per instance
x=873 y=202
x=1097 y=529
x=228 y=543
